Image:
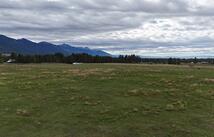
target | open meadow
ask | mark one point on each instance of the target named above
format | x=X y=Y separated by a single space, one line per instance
x=106 y=100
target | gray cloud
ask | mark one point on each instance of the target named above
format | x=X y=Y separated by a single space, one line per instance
x=117 y=26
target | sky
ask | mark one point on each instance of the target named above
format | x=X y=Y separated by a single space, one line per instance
x=153 y=28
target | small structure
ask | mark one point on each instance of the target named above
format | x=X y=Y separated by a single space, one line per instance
x=11 y=61
x=203 y=62
x=76 y=63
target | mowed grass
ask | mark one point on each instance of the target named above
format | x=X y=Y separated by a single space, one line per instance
x=106 y=100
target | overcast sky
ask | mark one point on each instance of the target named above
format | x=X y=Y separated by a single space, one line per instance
x=142 y=27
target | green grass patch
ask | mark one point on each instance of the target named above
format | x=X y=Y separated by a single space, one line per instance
x=106 y=100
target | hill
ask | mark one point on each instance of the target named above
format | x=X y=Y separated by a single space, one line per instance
x=27 y=47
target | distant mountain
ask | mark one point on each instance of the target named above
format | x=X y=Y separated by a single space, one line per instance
x=25 y=46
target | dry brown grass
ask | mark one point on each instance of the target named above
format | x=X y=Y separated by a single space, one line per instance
x=5 y=74
x=142 y=92
x=176 y=106
x=211 y=80
x=87 y=72
x=189 y=77
x=23 y=112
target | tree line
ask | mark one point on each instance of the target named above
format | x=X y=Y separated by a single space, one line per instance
x=81 y=58
x=1 y=59
x=85 y=58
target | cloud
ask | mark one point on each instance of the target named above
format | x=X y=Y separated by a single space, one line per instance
x=144 y=27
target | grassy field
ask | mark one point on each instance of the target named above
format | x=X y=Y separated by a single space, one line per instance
x=106 y=100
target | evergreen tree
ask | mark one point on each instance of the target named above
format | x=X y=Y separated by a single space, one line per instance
x=195 y=60
x=13 y=56
x=1 y=59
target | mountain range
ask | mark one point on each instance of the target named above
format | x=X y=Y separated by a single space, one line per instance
x=27 y=47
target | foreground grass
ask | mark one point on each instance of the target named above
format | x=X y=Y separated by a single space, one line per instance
x=106 y=100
